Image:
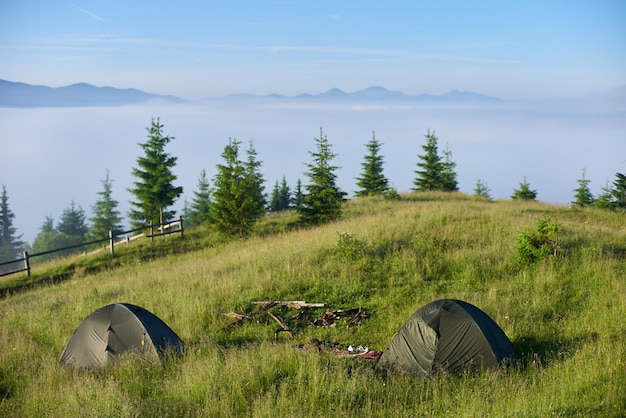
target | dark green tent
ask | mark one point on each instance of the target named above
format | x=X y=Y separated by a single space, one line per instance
x=114 y=330
x=447 y=335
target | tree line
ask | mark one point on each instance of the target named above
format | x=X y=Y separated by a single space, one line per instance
x=236 y=198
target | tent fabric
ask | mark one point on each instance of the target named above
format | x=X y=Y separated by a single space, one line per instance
x=447 y=335
x=116 y=329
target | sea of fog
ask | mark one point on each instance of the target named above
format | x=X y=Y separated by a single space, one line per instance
x=51 y=157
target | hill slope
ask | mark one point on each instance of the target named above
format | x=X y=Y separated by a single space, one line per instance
x=388 y=257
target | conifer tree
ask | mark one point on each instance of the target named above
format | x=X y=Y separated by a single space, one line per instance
x=197 y=214
x=619 y=191
x=185 y=212
x=238 y=196
x=70 y=231
x=583 y=196
x=428 y=176
x=481 y=189
x=154 y=188
x=105 y=216
x=298 y=195
x=254 y=181
x=48 y=225
x=372 y=180
x=323 y=198
x=10 y=243
x=275 y=204
x=281 y=196
x=605 y=198
x=448 y=173
x=524 y=192
x=47 y=239
x=73 y=223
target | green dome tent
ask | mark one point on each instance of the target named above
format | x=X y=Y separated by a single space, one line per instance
x=447 y=335
x=114 y=330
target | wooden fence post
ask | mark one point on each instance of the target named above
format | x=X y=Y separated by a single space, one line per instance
x=182 y=230
x=26 y=263
x=112 y=241
x=151 y=231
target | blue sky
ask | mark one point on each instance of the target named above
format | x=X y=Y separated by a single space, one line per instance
x=520 y=49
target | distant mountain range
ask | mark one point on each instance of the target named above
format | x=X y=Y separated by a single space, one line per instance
x=370 y=94
x=15 y=94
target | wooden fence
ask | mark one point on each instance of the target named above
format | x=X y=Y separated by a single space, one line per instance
x=153 y=230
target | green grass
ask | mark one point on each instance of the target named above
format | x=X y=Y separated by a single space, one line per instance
x=565 y=315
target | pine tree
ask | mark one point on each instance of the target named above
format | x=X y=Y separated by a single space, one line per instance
x=285 y=194
x=47 y=239
x=71 y=231
x=372 y=180
x=238 y=197
x=154 y=188
x=481 y=189
x=583 y=196
x=524 y=192
x=448 y=175
x=605 y=198
x=186 y=212
x=197 y=214
x=255 y=189
x=47 y=226
x=105 y=216
x=10 y=244
x=281 y=197
x=73 y=224
x=619 y=191
x=428 y=178
x=298 y=195
x=323 y=199
x=275 y=204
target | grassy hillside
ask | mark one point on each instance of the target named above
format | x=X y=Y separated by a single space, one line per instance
x=565 y=315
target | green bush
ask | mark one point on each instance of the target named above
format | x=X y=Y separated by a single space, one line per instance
x=349 y=247
x=541 y=242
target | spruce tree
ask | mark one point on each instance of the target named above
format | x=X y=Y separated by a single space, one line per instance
x=10 y=244
x=619 y=191
x=298 y=195
x=70 y=231
x=605 y=198
x=275 y=204
x=372 y=180
x=238 y=197
x=284 y=194
x=47 y=239
x=197 y=214
x=154 y=188
x=323 y=198
x=281 y=197
x=254 y=182
x=73 y=223
x=448 y=173
x=583 y=196
x=428 y=176
x=105 y=216
x=524 y=192
x=481 y=189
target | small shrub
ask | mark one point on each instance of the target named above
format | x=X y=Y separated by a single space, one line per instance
x=392 y=194
x=541 y=242
x=349 y=247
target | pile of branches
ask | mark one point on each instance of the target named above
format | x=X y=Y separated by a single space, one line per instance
x=304 y=318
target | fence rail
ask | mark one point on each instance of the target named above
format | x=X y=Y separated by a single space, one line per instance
x=155 y=230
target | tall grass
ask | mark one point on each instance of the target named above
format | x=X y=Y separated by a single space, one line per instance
x=565 y=315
